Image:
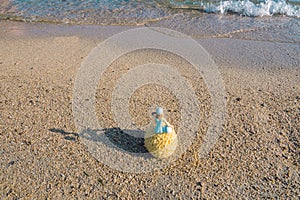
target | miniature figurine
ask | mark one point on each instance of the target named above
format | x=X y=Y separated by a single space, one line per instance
x=160 y=138
x=162 y=126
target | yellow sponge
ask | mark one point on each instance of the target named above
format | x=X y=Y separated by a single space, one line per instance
x=160 y=145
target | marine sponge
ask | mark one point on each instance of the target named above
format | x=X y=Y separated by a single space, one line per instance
x=160 y=145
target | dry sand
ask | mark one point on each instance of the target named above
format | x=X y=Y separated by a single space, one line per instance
x=42 y=156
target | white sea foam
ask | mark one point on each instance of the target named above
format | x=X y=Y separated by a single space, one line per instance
x=248 y=8
x=244 y=7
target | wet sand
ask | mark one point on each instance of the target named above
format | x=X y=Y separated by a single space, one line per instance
x=42 y=156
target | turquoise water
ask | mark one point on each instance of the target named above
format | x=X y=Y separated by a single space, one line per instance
x=134 y=12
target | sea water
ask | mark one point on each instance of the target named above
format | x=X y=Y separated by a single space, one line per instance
x=132 y=12
x=267 y=20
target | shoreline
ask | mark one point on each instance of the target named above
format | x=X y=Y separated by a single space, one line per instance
x=43 y=157
x=224 y=50
x=231 y=32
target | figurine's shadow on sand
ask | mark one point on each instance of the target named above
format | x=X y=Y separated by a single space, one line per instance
x=119 y=138
x=68 y=135
x=123 y=140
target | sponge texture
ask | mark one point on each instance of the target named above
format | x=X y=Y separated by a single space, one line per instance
x=161 y=145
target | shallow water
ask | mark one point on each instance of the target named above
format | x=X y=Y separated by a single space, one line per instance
x=133 y=12
x=272 y=29
x=262 y=20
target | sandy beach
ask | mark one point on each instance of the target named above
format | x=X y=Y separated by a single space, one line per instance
x=42 y=156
